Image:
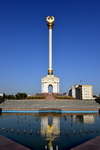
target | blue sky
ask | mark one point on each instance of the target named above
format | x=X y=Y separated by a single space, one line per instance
x=24 y=44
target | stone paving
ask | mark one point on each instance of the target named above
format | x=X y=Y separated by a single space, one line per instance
x=7 y=144
x=59 y=104
x=93 y=144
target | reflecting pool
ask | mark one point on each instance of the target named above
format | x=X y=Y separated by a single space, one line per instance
x=50 y=131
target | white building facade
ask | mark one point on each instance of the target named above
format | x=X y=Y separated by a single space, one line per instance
x=86 y=91
x=81 y=91
x=72 y=90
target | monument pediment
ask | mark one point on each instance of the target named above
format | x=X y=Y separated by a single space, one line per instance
x=50 y=78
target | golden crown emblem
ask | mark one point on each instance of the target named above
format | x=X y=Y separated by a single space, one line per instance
x=50 y=19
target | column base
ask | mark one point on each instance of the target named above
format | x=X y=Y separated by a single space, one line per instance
x=50 y=72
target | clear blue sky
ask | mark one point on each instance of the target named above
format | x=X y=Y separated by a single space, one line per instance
x=24 y=44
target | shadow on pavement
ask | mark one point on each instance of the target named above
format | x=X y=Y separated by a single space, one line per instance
x=97 y=100
x=2 y=100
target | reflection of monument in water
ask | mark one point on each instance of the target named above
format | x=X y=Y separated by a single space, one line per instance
x=50 y=79
x=50 y=129
x=50 y=126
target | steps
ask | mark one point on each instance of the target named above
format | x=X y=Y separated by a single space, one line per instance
x=50 y=102
x=50 y=96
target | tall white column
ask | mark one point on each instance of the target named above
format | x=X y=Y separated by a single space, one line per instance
x=50 y=49
x=50 y=20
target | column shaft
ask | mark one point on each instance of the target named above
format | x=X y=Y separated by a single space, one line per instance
x=50 y=49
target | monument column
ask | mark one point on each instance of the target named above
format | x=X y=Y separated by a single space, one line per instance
x=50 y=79
x=50 y=20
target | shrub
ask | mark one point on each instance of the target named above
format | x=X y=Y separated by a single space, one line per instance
x=64 y=97
x=35 y=97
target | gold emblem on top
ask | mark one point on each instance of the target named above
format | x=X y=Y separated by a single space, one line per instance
x=50 y=19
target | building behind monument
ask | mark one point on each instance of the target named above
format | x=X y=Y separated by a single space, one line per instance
x=81 y=91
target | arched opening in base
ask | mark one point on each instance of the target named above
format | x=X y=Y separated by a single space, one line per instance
x=50 y=89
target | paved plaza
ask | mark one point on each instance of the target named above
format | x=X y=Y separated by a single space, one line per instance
x=57 y=104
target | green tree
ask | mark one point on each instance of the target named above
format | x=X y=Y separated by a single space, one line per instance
x=11 y=97
x=21 y=95
x=4 y=95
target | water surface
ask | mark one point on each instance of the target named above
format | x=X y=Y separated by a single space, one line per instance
x=50 y=131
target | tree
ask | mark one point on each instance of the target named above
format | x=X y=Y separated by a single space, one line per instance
x=4 y=95
x=11 y=97
x=21 y=95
